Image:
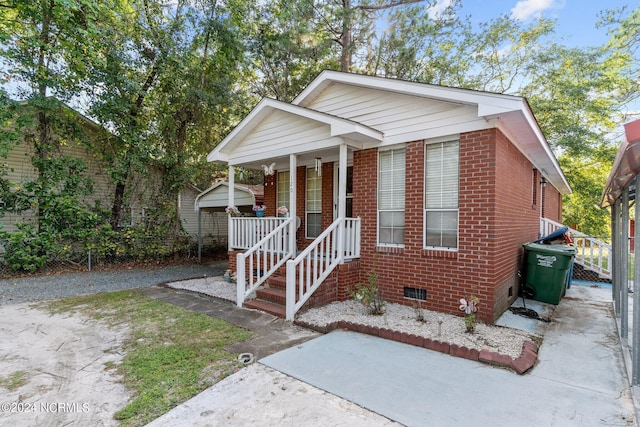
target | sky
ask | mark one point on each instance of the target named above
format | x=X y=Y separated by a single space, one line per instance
x=576 y=19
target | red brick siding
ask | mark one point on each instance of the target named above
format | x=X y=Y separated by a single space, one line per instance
x=552 y=208
x=517 y=219
x=496 y=217
x=336 y=287
x=271 y=194
x=327 y=194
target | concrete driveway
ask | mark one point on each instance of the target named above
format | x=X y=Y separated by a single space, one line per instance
x=344 y=378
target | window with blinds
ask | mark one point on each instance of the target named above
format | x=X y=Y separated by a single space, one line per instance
x=283 y=190
x=391 y=183
x=441 y=195
x=313 y=203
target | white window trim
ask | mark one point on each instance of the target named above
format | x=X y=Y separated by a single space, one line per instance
x=306 y=204
x=424 y=201
x=378 y=210
x=279 y=202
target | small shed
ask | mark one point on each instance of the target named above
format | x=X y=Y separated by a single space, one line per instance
x=210 y=207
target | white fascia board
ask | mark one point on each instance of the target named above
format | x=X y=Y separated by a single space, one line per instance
x=245 y=125
x=217 y=156
x=285 y=151
x=488 y=103
x=357 y=131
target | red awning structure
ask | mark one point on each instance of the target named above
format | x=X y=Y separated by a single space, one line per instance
x=625 y=167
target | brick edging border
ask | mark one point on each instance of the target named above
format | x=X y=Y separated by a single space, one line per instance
x=520 y=365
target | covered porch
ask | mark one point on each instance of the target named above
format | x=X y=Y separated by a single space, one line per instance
x=306 y=173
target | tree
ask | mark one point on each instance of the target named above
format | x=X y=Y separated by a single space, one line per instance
x=191 y=98
x=287 y=46
x=46 y=46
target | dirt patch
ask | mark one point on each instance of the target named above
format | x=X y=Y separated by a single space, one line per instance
x=58 y=369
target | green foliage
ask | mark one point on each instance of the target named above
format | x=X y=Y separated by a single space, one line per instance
x=368 y=295
x=587 y=177
x=27 y=250
x=130 y=244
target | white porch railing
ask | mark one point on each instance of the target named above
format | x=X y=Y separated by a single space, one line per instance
x=591 y=253
x=245 y=232
x=270 y=251
x=308 y=270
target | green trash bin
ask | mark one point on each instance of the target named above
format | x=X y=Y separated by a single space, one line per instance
x=548 y=270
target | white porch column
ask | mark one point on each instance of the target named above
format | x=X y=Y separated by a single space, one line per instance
x=615 y=257
x=293 y=175
x=624 y=256
x=342 y=197
x=231 y=202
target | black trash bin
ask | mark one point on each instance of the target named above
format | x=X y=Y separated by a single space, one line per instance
x=548 y=270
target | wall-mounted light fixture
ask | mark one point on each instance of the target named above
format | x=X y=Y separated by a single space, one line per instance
x=543 y=182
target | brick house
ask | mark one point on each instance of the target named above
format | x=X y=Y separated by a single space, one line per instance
x=433 y=188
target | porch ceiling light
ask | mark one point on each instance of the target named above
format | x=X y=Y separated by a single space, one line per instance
x=318 y=166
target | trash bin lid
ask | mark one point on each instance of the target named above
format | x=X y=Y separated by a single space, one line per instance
x=567 y=250
x=559 y=232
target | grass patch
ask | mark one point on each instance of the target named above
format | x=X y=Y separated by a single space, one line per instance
x=14 y=380
x=171 y=354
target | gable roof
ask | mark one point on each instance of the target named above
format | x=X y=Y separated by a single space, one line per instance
x=366 y=111
x=338 y=127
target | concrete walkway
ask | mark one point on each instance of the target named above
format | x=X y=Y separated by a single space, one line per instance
x=580 y=380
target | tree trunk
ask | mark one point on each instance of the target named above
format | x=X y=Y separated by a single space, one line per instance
x=118 y=200
x=346 y=39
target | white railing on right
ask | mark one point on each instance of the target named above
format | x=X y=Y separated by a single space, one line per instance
x=591 y=253
x=258 y=263
x=308 y=270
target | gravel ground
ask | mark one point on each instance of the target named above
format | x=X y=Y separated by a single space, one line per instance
x=40 y=288
x=397 y=317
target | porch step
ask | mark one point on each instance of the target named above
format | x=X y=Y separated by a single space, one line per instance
x=274 y=295
x=277 y=281
x=266 y=306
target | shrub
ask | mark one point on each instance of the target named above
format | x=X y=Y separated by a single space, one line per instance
x=28 y=250
x=368 y=295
